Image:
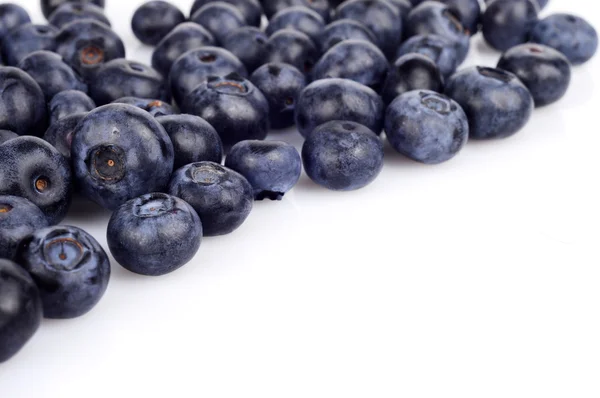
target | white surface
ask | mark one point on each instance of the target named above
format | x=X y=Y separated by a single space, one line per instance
x=476 y=278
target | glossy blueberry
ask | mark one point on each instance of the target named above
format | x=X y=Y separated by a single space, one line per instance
x=18 y=218
x=49 y=6
x=152 y=106
x=344 y=29
x=11 y=17
x=496 y=103
x=342 y=155
x=412 y=72
x=271 y=167
x=20 y=319
x=25 y=39
x=506 y=23
x=233 y=106
x=219 y=18
x=68 y=103
x=222 y=198
x=194 y=139
x=60 y=133
x=250 y=9
x=6 y=135
x=249 y=44
x=69 y=267
x=120 y=152
x=469 y=12
x=338 y=99
x=294 y=48
x=571 y=35
x=153 y=20
x=299 y=18
x=22 y=104
x=438 y=48
x=281 y=84
x=70 y=12
x=35 y=170
x=272 y=7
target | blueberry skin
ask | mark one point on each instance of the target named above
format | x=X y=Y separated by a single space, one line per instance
x=540 y=3
x=60 y=134
x=412 y=72
x=51 y=73
x=219 y=18
x=272 y=7
x=120 y=152
x=153 y=106
x=68 y=103
x=299 y=18
x=338 y=99
x=506 y=23
x=153 y=20
x=281 y=85
x=344 y=29
x=123 y=78
x=496 y=103
x=544 y=71
x=356 y=60
x=251 y=10
x=25 y=39
x=185 y=37
x=571 y=35
x=33 y=169
x=222 y=197
x=6 y=135
x=294 y=48
x=194 y=139
x=22 y=104
x=49 y=6
x=233 y=106
x=342 y=156
x=11 y=17
x=271 y=167
x=249 y=45
x=438 y=48
x=469 y=12
x=403 y=7
x=20 y=320
x=70 y=12
x=18 y=218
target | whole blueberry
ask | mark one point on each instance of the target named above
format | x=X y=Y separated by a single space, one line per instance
x=281 y=85
x=496 y=103
x=154 y=234
x=152 y=106
x=342 y=155
x=412 y=72
x=540 y=3
x=271 y=167
x=22 y=103
x=571 y=35
x=22 y=314
x=249 y=45
x=60 y=133
x=338 y=99
x=468 y=11
x=69 y=267
x=506 y=23
x=120 y=152
x=11 y=17
x=545 y=72
x=68 y=103
x=221 y=197
x=299 y=18
x=69 y=12
x=438 y=48
x=219 y=18
x=18 y=218
x=49 y=6
x=294 y=48
x=194 y=139
x=272 y=7
x=153 y=20
x=35 y=170
x=250 y=9
x=344 y=29
x=6 y=135
x=25 y=39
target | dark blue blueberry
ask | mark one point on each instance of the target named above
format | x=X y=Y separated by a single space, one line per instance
x=21 y=318
x=153 y=106
x=33 y=169
x=60 y=133
x=22 y=104
x=68 y=103
x=403 y=7
x=194 y=139
x=219 y=18
x=506 y=23
x=6 y=135
x=51 y=73
x=571 y=35
x=250 y=9
x=292 y=47
x=342 y=155
x=123 y=78
x=153 y=20
x=344 y=29
x=545 y=72
x=356 y=60
x=272 y=7
x=299 y=18
x=281 y=84
x=249 y=44
x=18 y=218
x=11 y=17
x=69 y=267
x=233 y=106
x=70 y=12
x=338 y=99
x=412 y=72
x=271 y=167
x=438 y=48
x=426 y=126
x=49 y=6
x=222 y=198
x=469 y=12
x=496 y=103
x=185 y=37
x=120 y=152
x=25 y=39
x=541 y=3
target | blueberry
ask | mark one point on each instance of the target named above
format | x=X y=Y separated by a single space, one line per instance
x=219 y=18
x=344 y=29
x=294 y=48
x=299 y=18
x=6 y=135
x=153 y=20
x=22 y=314
x=403 y=7
x=22 y=104
x=250 y=9
x=469 y=12
x=49 y=6
x=120 y=152
x=342 y=155
x=18 y=218
x=497 y=104
x=272 y=7
x=506 y=23
x=356 y=60
x=249 y=44
x=25 y=39
x=233 y=106
x=271 y=167
x=51 y=73
x=438 y=48
x=35 y=170
x=152 y=106
x=194 y=139
x=69 y=267
x=11 y=17
x=412 y=72
x=281 y=84
x=68 y=103
x=221 y=197
x=540 y=3
x=338 y=99
x=545 y=72
x=60 y=133
x=571 y=35
x=69 y=12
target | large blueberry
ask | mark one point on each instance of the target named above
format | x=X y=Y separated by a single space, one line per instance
x=49 y=6
x=469 y=12
x=272 y=7
x=60 y=133
x=70 y=12
x=68 y=103
x=22 y=103
x=219 y=18
x=249 y=44
x=438 y=48
x=412 y=72
x=294 y=48
x=11 y=17
x=250 y=9
x=152 y=106
x=25 y=39
x=18 y=218
x=344 y=29
x=506 y=23
x=299 y=18
x=153 y=20
x=6 y=135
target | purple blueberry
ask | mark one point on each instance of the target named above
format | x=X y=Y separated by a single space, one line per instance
x=506 y=23
x=250 y=9
x=219 y=18
x=438 y=48
x=69 y=12
x=25 y=39
x=18 y=218
x=292 y=47
x=22 y=103
x=11 y=17
x=249 y=44
x=344 y=29
x=298 y=18
x=272 y=7
x=154 y=107
x=68 y=103
x=153 y=20
x=49 y=6
x=412 y=72
x=60 y=133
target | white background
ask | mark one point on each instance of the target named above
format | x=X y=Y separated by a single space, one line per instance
x=476 y=278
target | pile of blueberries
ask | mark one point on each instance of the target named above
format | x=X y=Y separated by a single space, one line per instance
x=148 y=142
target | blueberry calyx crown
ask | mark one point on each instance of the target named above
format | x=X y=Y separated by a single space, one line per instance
x=206 y=173
x=91 y=55
x=495 y=73
x=64 y=251
x=5 y=208
x=230 y=84
x=437 y=103
x=153 y=205
x=107 y=163
x=41 y=184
